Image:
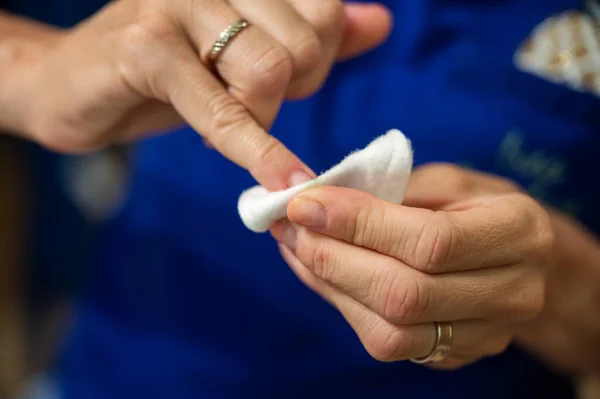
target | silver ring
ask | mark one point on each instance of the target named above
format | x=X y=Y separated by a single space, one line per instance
x=225 y=37
x=443 y=344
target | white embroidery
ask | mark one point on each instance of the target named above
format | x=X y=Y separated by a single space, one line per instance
x=564 y=49
x=542 y=172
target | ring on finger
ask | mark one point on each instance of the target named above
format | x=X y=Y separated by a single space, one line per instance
x=442 y=347
x=226 y=36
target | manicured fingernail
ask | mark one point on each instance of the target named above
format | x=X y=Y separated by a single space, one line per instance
x=308 y=213
x=299 y=177
x=288 y=237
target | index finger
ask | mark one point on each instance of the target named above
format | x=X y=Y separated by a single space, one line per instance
x=218 y=116
x=491 y=232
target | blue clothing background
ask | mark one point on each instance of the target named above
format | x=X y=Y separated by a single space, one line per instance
x=182 y=301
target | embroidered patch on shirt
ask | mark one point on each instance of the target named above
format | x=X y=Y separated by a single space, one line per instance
x=564 y=49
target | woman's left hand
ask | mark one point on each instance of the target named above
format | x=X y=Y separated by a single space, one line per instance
x=477 y=258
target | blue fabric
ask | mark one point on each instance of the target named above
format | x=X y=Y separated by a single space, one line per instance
x=183 y=302
x=63 y=13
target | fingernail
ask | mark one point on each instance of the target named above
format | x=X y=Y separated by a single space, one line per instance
x=299 y=177
x=288 y=237
x=308 y=213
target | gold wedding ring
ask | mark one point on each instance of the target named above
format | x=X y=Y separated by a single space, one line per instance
x=225 y=37
x=443 y=344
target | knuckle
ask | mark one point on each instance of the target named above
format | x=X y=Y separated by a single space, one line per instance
x=268 y=155
x=13 y=51
x=456 y=176
x=527 y=303
x=533 y=220
x=407 y=300
x=272 y=70
x=462 y=182
x=506 y=185
x=353 y=223
x=534 y=305
x=63 y=135
x=359 y=226
x=226 y=115
x=299 y=89
x=53 y=136
x=322 y=261
x=307 y=54
x=434 y=244
x=382 y=282
x=329 y=18
x=544 y=238
x=522 y=205
x=147 y=33
x=387 y=344
x=140 y=47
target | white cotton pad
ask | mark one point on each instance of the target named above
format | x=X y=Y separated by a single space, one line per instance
x=382 y=168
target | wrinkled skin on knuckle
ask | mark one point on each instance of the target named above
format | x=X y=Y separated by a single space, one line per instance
x=270 y=71
x=386 y=343
x=381 y=286
x=518 y=209
x=406 y=301
x=307 y=54
x=226 y=114
x=434 y=244
x=358 y=222
x=533 y=222
x=319 y=257
x=267 y=155
x=352 y=221
x=309 y=71
x=365 y=222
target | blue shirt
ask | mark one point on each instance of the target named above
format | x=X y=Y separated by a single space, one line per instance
x=183 y=302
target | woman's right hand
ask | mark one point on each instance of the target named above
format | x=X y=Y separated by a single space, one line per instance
x=139 y=67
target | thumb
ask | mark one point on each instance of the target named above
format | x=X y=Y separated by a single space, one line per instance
x=367 y=26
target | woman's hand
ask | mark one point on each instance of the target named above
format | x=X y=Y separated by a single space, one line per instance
x=141 y=66
x=567 y=332
x=478 y=261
